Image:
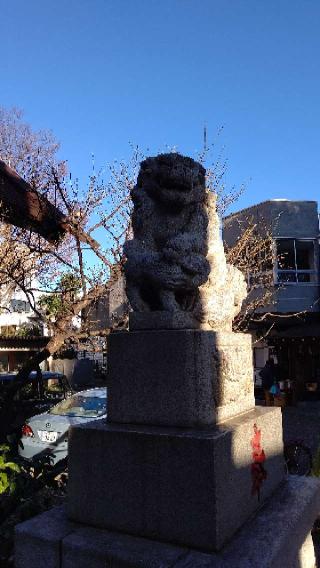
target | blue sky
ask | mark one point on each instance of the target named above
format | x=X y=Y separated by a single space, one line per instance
x=101 y=73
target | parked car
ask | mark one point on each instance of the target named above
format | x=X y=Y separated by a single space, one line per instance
x=46 y=435
x=21 y=399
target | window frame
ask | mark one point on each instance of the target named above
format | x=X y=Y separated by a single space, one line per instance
x=295 y=271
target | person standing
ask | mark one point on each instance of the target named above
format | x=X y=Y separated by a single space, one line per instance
x=268 y=375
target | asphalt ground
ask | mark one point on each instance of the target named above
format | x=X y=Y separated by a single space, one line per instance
x=302 y=422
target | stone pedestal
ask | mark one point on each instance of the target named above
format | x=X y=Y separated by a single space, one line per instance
x=188 y=378
x=173 y=467
x=188 y=487
x=278 y=536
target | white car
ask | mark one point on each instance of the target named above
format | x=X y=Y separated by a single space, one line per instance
x=45 y=436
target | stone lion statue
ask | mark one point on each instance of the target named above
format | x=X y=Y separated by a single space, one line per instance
x=166 y=259
x=176 y=257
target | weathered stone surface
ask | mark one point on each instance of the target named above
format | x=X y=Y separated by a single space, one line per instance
x=277 y=537
x=191 y=487
x=142 y=321
x=38 y=541
x=178 y=378
x=221 y=296
x=167 y=256
x=175 y=261
x=94 y=548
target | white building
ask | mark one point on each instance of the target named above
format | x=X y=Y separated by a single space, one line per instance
x=21 y=332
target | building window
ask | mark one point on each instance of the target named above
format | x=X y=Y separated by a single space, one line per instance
x=8 y=330
x=4 y=363
x=295 y=261
x=19 y=306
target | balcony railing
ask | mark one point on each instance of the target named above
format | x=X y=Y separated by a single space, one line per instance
x=268 y=278
x=296 y=277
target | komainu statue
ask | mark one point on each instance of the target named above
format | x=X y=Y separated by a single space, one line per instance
x=175 y=261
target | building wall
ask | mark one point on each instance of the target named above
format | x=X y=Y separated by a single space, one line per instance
x=282 y=218
x=110 y=308
x=15 y=308
x=292 y=342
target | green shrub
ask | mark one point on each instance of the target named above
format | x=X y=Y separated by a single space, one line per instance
x=8 y=472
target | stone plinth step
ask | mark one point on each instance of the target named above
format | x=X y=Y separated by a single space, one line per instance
x=191 y=487
x=277 y=537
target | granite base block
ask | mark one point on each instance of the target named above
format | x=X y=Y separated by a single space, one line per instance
x=191 y=487
x=281 y=531
x=94 y=548
x=277 y=537
x=185 y=378
x=38 y=541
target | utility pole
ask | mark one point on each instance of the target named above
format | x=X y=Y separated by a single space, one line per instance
x=204 y=138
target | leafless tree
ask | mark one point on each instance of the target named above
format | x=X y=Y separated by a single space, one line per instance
x=93 y=223
x=253 y=253
x=84 y=237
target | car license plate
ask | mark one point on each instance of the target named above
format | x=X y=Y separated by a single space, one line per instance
x=47 y=436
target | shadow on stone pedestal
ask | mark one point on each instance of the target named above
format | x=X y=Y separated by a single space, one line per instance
x=191 y=487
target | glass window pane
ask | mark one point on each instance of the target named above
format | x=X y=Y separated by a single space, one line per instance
x=305 y=255
x=20 y=357
x=4 y=365
x=78 y=405
x=285 y=254
x=304 y=276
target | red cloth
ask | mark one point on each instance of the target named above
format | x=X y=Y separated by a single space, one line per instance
x=258 y=473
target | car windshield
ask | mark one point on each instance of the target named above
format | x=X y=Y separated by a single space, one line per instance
x=52 y=387
x=79 y=405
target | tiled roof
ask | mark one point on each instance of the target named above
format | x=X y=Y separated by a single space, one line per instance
x=23 y=342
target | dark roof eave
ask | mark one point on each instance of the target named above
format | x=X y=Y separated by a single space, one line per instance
x=24 y=207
